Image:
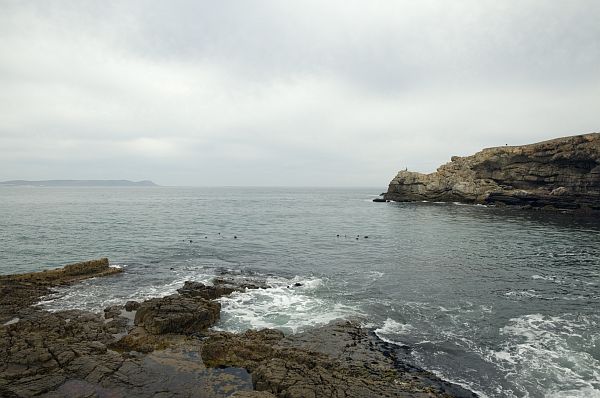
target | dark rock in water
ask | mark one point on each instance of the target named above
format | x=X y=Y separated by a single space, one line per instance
x=112 y=312
x=222 y=286
x=132 y=305
x=563 y=173
x=240 y=283
x=379 y=200
x=297 y=284
x=197 y=289
x=177 y=314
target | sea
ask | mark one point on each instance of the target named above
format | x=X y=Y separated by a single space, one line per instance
x=504 y=302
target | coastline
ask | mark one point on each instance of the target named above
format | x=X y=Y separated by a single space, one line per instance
x=163 y=345
x=562 y=174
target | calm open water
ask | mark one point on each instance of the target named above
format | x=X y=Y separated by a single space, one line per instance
x=504 y=302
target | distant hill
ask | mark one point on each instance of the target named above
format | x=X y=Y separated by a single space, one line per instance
x=79 y=183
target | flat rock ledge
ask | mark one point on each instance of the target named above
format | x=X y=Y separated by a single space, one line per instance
x=560 y=174
x=164 y=347
x=19 y=291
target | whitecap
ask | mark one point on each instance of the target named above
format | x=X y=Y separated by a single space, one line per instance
x=555 y=349
x=11 y=322
x=282 y=306
x=391 y=330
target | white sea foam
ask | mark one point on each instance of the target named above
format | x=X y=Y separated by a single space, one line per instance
x=531 y=293
x=541 y=277
x=375 y=275
x=282 y=306
x=551 y=352
x=391 y=331
x=11 y=322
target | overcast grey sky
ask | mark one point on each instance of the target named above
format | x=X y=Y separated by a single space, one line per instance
x=302 y=93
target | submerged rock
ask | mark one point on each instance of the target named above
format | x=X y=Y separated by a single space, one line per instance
x=563 y=173
x=222 y=286
x=240 y=283
x=198 y=289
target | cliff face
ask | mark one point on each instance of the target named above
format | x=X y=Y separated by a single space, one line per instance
x=563 y=173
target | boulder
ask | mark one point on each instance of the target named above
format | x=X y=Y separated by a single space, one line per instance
x=132 y=305
x=177 y=314
x=112 y=312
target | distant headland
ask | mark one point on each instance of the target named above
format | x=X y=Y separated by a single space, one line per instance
x=562 y=174
x=78 y=183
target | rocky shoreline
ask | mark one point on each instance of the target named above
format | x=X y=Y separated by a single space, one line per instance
x=164 y=347
x=560 y=174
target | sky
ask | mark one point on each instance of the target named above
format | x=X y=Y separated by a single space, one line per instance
x=286 y=93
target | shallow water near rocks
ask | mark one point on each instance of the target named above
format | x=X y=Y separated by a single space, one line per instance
x=504 y=302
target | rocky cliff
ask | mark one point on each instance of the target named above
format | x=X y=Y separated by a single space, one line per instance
x=563 y=173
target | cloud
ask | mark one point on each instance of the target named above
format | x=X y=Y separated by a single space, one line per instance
x=280 y=93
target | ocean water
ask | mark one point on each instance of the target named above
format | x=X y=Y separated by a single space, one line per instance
x=504 y=302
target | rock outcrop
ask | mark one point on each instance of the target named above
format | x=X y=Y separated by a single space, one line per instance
x=563 y=173
x=177 y=314
x=19 y=291
x=341 y=359
x=163 y=347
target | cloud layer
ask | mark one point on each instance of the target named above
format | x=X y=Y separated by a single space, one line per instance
x=337 y=93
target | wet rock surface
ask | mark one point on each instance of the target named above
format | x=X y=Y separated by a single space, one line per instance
x=338 y=360
x=177 y=314
x=222 y=286
x=19 y=291
x=163 y=347
x=558 y=174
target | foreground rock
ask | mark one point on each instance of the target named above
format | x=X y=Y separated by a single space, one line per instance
x=558 y=174
x=338 y=360
x=163 y=347
x=77 y=353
